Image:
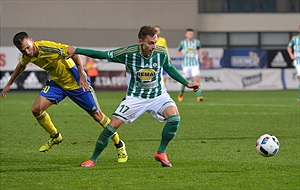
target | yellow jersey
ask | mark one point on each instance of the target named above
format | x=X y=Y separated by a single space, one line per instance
x=163 y=42
x=52 y=58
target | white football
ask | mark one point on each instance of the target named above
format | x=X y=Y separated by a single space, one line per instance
x=267 y=145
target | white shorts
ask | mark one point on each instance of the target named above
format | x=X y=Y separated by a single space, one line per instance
x=190 y=72
x=131 y=108
x=297 y=66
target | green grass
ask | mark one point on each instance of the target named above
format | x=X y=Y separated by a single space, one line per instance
x=214 y=147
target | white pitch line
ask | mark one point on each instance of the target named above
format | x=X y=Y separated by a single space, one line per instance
x=238 y=105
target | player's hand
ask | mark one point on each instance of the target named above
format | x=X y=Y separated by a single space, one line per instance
x=84 y=84
x=201 y=60
x=194 y=85
x=179 y=54
x=71 y=51
x=293 y=57
x=5 y=91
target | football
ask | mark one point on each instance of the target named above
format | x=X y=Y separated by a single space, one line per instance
x=267 y=145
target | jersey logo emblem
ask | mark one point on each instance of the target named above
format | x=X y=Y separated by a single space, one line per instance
x=146 y=74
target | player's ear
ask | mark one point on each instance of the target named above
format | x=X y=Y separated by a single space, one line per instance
x=140 y=41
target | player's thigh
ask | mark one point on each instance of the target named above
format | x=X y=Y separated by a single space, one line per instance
x=170 y=110
x=187 y=72
x=52 y=92
x=297 y=67
x=162 y=107
x=87 y=100
x=130 y=109
x=195 y=71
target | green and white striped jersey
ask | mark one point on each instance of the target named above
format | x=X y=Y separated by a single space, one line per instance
x=295 y=45
x=190 y=52
x=144 y=74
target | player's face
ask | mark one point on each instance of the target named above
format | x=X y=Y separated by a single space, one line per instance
x=189 y=35
x=148 y=45
x=28 y=48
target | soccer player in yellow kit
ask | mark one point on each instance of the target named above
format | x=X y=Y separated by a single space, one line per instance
x=161 y=41
x=67 y=79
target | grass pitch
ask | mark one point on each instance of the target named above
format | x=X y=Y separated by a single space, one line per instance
x=214 y=147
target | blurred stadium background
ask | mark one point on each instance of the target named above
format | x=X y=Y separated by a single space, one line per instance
x=243 y=38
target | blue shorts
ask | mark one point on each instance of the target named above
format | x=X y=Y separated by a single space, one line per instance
x=164 y=72
x=87 y=100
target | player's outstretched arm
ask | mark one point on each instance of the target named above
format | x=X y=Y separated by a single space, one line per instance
x=174 y=73
x=72 y=50
x=18 y=70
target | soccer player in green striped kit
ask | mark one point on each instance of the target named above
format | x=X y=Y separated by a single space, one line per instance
x=146 y=91
x=190 y=50
x=294 y=52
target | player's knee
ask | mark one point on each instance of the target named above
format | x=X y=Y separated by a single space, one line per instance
x=174 y=120
x=97 y=116
x=36 y=111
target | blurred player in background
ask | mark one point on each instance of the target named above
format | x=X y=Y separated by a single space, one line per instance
x=207 y=62
x=67 y=79
x=91 y=70
x=190 y=50
x=294 y=52
x=162 y=42
x=146 y=91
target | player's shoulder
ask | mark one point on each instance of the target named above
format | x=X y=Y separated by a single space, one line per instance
x=49 y=44
x=295 y=37
x=126 y=49
x=162 y=39
x=44 y=43
x=161 y=49
x=183 y=41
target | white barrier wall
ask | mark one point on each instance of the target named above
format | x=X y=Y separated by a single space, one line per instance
x=244 y=79
x=289 y=77
x=211 y=79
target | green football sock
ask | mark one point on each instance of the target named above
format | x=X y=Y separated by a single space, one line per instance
x=102 y=142
x=168 y=132
x=182 y=90
x=198 y=93
x=299 y=91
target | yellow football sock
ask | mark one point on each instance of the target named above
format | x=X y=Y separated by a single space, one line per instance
x=115 y=137
x=45 y=121
x=104 y=122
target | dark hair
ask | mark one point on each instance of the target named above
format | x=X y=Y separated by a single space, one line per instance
x=19 y=37
x=189 y=30
x=146 y=31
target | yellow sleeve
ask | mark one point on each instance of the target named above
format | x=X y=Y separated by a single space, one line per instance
x=163 y=42
x=25 y=60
